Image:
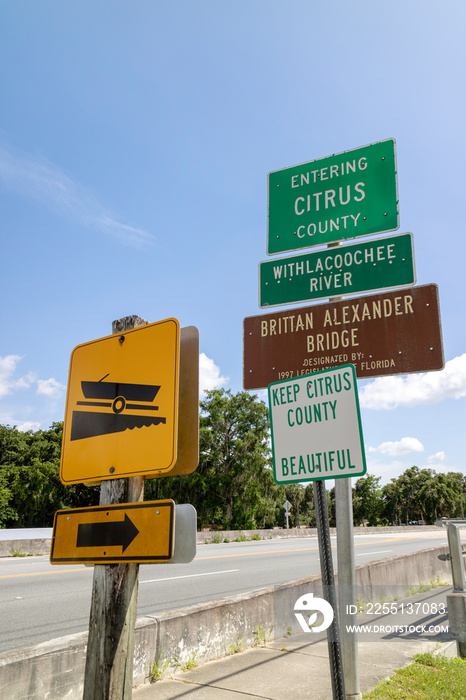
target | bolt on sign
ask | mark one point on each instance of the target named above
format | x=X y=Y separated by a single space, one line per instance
x=344 y=195
x=121 y=415
x=358 y=267
x=112 y=534
x=383 y=334
x=316 y=427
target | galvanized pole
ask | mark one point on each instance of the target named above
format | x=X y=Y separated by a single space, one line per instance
x=328 y=584
x=110 y=649
x=347 y=586
x=347 y=578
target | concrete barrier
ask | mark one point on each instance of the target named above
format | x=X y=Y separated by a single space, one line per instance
x=210 y=536
x=9 y=547
x=202 y=632
x=42 y=545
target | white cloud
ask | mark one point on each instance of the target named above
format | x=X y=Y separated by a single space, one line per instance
x=35 y=178
x=386 y=393
x=436 y=458
x=398 y=448
x=50 y=387
x=209 y=375
x=28 y=425
x=7 y=382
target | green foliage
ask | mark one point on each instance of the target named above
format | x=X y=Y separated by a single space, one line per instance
x=30 y=487
x=233 y=486
x=260 y=637
x=429 y=677
x=157 y=669
x=367 y=500
x=422 y=495
x=187 y=665
x=19 y=553
x=236 y=647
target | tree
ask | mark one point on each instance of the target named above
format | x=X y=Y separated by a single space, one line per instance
x=233 y=486
x=308 y=505
x=405 y=497
x=234 y=457
x=30 y=487
x=294 y=493
x=446 y=495
x=367 y=500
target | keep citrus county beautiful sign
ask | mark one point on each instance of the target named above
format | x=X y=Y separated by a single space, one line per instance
x=316 y=427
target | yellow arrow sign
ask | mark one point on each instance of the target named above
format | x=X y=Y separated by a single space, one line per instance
x=121 y=416
x=126 y=532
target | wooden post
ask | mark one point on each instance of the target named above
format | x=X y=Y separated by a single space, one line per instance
x=110 y=648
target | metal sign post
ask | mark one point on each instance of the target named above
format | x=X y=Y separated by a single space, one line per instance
x=316 y=435
x=328 y=584
x=347 y=580
x=287 y=507
x=342 y=196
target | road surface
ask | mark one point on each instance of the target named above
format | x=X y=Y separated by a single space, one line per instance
x=39 y=602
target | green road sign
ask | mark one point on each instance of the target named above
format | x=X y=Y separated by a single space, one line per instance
x=386 y=263
x=342 y=196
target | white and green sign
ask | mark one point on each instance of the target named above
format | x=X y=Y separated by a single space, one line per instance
x=316 y=427
x=345 y=195
x=384 y=263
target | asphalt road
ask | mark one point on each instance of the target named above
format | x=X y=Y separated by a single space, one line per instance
x=39 y=602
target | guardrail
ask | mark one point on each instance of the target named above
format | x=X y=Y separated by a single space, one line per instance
x=456 y=601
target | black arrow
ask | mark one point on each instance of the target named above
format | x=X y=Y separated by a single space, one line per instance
x=112 y=534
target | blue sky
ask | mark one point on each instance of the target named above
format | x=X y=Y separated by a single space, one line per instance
x=135 y=142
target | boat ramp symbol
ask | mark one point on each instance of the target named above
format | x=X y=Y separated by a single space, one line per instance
x=119 y=397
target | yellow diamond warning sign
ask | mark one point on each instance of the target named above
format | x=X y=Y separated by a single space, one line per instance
x=121 y=416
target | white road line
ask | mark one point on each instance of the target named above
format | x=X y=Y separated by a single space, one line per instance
x=382 y=551
x=174 y=578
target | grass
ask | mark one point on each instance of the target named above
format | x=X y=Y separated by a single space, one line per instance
x=157 y=669
x=428 y=678
x=362 y=603
x=261 y=636
x=19 y=553
x=236 y=647
x=187 y=665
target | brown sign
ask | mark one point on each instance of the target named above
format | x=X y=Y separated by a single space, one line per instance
x=394 y=332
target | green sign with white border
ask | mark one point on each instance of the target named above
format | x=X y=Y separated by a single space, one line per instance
x=316 y=427
x=386 y=263
x=345 y=195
